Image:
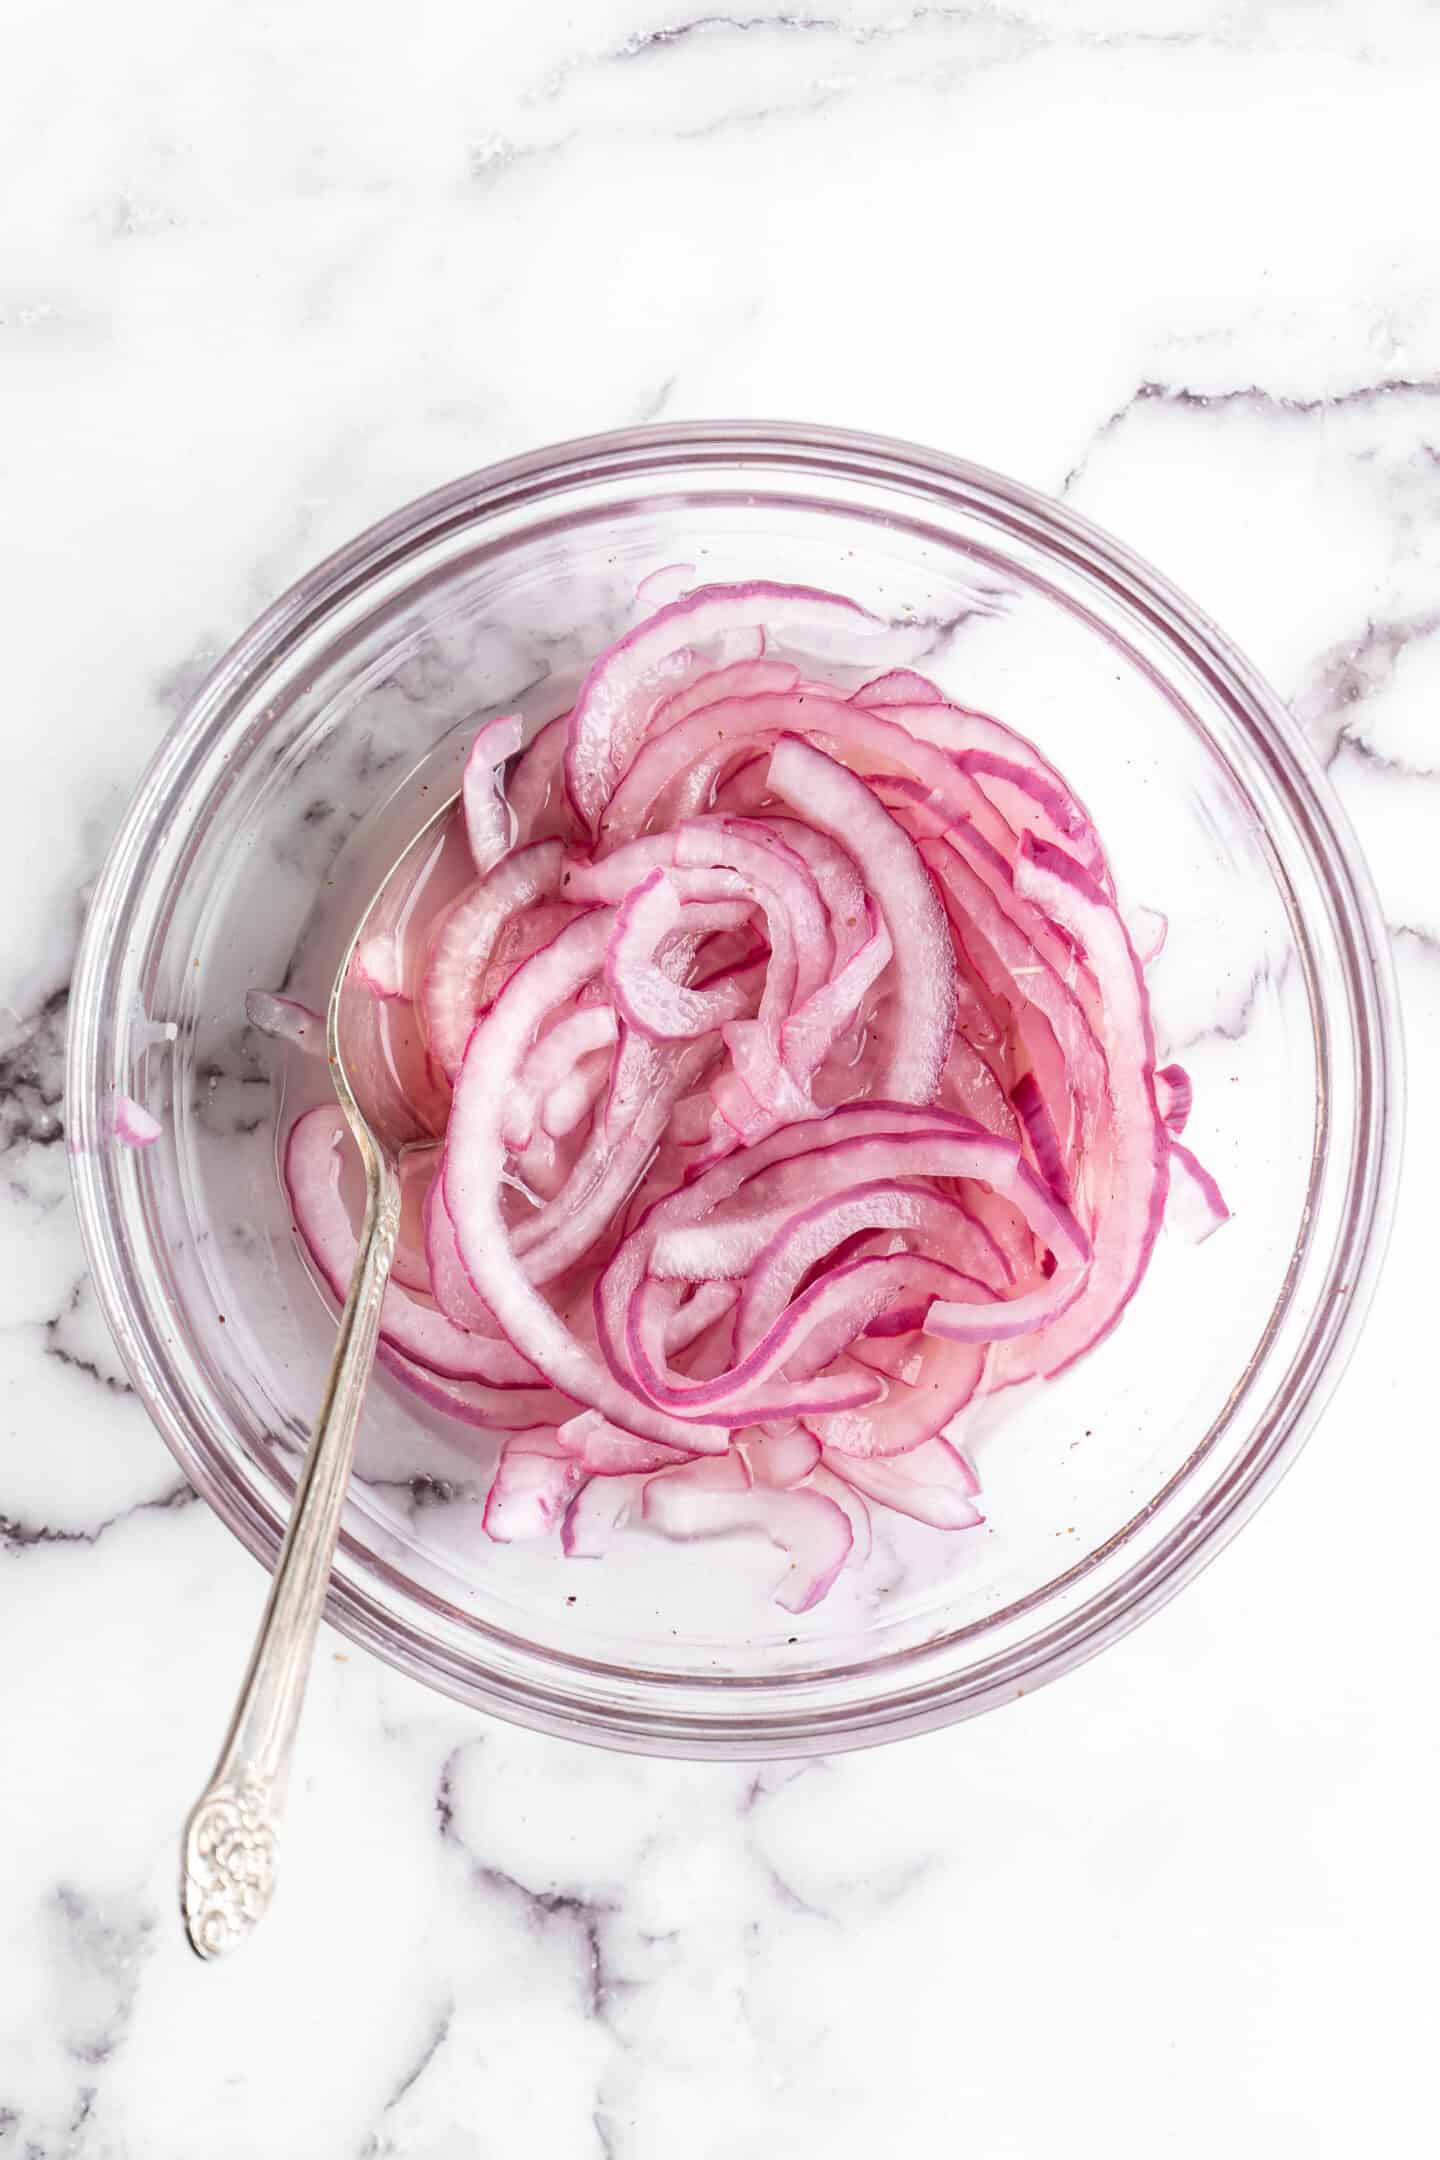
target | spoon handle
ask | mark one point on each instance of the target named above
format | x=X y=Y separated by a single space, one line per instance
x=231 y=1837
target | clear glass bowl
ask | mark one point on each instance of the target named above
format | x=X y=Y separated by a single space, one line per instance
x=317 y=748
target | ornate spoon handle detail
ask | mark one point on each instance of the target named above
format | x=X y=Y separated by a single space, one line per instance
x=232 y=1834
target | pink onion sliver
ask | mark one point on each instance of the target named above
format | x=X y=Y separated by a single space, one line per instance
x=1069 y=1064
x=754 y=1391
x=645 y=1079
x=489 y=820
x=131 y=1123
x=463 y=943
x=649 y=998
x=450 y=1286
x=687 y=1208
x=1175 y=1095
x=1020 y=778
x=812 y=1030
x=670 y=582
x=790 y=893
x=605 y=1451
x=475 y=1165
x=933 y=1483
x=1137 y=1169
x=901 y=686
x=552 y=1063
x=377 y=964
x=1148 y=930
x=945 y=1376
x=696 y=1249
x=617 y=697
x=711 y=1301
x=608 y=879
x=1002 y=1320
x=1034 y=1115
x=813 y=1232
x=781 y=1454
x=314 y=1154
x=599 y=1510
x=535 y=786
x=837 y=878
x=534 y=1483
x=1195 y=1206
x=469 y=1402
x=970 y=1086
x=566 y=1104
x=851 y=1506
x=286 y=1021
x=812 y=1531
x=831 y=796
x=743 y=678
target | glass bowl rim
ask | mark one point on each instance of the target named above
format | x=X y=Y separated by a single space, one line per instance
x=735 y=1724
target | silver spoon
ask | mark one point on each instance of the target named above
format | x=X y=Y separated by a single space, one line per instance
x=232 y=1834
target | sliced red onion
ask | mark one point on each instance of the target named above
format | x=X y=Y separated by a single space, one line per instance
x=1175 y=1096
x=935 y=1382
x=796 y=1083
x=463 y=945
x=811 y=1530
x=683 y=1245
x=762 y=1170
x=535 y=787
x=564 y=1106
x=600 y=1509
x=315 y=1154
x=1195 y=1207
x=971 y=1086
x=709 y=1303
x=660 y=587
x=901 y=686
x=489 y=820
x=796 y=920
x=377 y=964
x=131 y=1123
x=450 y=1286
x=286 y=1021
x=933 y=1483
x=622 y=689
x=753 y=1392
x=905 y=898
x=645 y=1079
x=744 y=678
x=1148 y=930
x=1136 y=1165
x=869 y=1285
x=647 y=996
x=781 y=1454
x=553 y=1066
x=1012 y=775
x=469 y=1402
x=851 y=1506
x=1034 y=1115
x=535 y=1481
x=603 y=1450
x=475 y=1166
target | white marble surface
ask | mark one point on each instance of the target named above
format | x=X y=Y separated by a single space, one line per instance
x=264 y=273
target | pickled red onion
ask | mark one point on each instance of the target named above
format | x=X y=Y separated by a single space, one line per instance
x=802 y=1088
